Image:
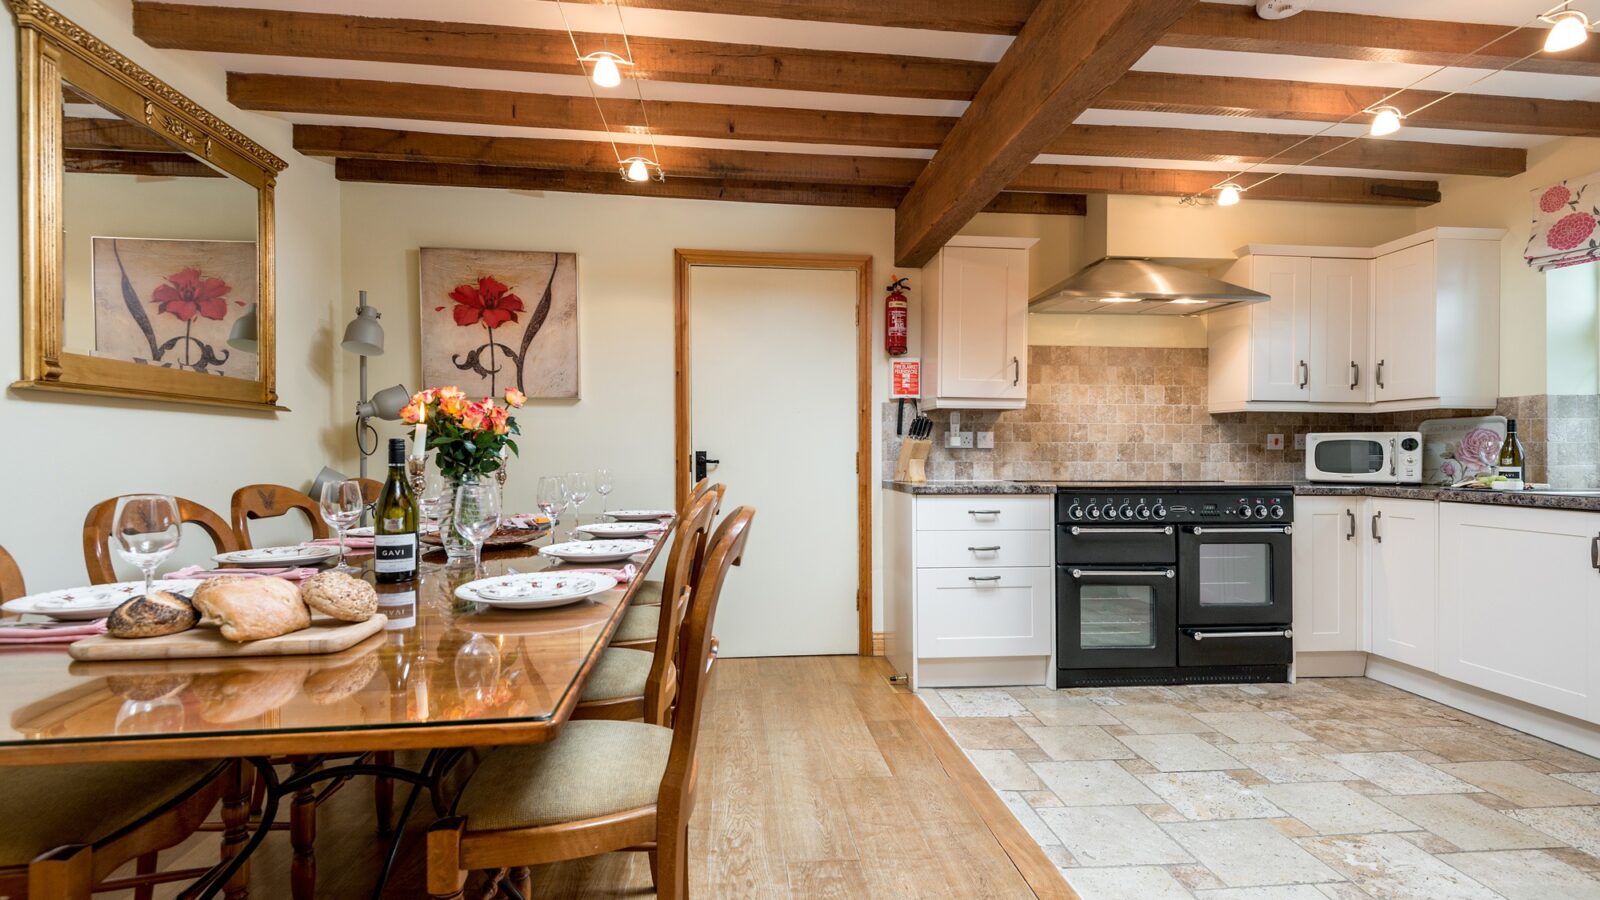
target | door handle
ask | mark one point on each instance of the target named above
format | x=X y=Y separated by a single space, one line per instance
x=1016 y=371
x=701 y=461
x=1201 y=635
x=1277 y=529
x=1305 y=374
x=1355 y=374
x=1377 y=374
x=1375 y=517
x=1351 y=534
x=1126 y=573
x=1594 y=552
x=1079 y=529
x=994 y=549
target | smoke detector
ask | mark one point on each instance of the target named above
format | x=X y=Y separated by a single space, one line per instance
x=1280 y=9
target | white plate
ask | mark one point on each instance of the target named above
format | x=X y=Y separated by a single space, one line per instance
x=638 y=515
x=619 y=529
x=298 y=555
x=595 y=551
x=360 y=531
x=75 y=604
x=535 y=590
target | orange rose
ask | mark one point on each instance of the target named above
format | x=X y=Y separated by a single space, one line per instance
x=453 y=405
x=413 y=412
x=472 y=418
x=499 y=418
x=515 y=398
x=451 y=392
x=423 y=398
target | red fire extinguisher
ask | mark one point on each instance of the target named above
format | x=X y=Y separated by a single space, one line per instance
x=897 y=317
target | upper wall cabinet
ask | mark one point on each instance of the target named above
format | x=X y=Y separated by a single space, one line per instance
x=975 y=324
x=1408 y=325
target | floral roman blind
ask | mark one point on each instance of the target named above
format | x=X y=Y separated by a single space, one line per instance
x=1564 y=224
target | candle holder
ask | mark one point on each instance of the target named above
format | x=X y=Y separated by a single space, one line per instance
x=417 y=471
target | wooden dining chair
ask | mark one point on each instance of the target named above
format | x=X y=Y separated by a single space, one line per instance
x=370 y=490
x=97 y=535
x=268 y=501
x=637 y=684
x=11 y=586
x=642 y=621
x=600 y=786
x=649 y=593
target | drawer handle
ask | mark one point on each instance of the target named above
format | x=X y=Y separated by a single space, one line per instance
x=983 y=577
x=1079 y=529
x=993 y=549
x=1200 y=635
x=1126 y=573
x=983 y=512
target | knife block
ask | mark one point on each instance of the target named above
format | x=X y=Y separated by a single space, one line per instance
x=913 y=463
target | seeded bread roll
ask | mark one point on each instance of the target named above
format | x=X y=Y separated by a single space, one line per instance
x=151 y=615
x=252 y=609
x=340 y=596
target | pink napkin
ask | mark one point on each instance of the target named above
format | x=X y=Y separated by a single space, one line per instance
x=350 y=543
x=294 y=574
x=525 y=520
x=623 y=575
x=54 y=634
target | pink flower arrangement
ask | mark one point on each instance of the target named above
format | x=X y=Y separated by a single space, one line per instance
x=468 y=435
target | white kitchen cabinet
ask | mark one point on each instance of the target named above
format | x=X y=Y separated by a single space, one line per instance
x=975 y=325
x=1340 y=311
x=1436 y=321
x=1401 y=538
x=1404 y=338
x=1519 y=604
x=1327 y=573
x=976 y=613
x=1280 y=330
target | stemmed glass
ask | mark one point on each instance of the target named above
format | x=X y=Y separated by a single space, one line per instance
x=577 y=492
x=551 y=498
x=602 y=486
x=477 y=516
x=146 y=530
x=430 y=498
x=342 y=506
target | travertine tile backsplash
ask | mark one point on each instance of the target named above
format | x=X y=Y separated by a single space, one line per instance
x=1139 y=414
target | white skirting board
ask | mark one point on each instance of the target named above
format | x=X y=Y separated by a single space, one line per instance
x=1022 y=671
x=1554 y=727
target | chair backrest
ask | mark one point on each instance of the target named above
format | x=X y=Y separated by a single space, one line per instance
x=97 y=535
x=716 y=491
x=11 y=586
x=370 y=490
x=268 y=501
x=675 y=800
x=661 y=686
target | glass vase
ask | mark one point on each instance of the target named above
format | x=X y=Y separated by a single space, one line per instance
x=457 y=548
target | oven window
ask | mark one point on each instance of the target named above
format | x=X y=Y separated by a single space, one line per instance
x=1235 y=575
x=1349 y=457
x=1117 y=616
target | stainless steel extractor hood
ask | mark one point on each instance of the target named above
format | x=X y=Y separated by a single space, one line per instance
x=1122 y=285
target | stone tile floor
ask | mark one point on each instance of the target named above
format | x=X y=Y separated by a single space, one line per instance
x=1338 y=788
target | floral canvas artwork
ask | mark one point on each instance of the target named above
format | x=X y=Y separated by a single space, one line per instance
x=498 y=319
x=172 y=303
x=1460 y=449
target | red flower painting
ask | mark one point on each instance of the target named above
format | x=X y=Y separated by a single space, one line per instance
x=489 y=301
x=188 y=293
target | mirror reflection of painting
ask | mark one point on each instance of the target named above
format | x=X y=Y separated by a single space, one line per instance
x=494 y=319
x=173 y=303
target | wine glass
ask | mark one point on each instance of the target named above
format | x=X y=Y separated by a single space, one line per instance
x=342 y=505
x=477 y=516
x=550 y=500
x=146 y=529
x=602 y=485
x=430 y=499
x=577 y=492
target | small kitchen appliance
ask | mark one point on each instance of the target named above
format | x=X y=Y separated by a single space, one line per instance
x=1365 y=457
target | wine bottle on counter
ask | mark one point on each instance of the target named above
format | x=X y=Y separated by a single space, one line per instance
x=1510 y=464
x=395 y=533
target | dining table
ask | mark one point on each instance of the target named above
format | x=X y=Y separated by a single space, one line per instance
x=445 y=675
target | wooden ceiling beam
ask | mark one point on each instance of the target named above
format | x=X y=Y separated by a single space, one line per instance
x=172 y=164
x=973 y=16
x=1065 y=55
x=222 y=29
x=530 y=179
x=1183 y=182
x=1269 y=98
x=88 y=133
x=1331 y=35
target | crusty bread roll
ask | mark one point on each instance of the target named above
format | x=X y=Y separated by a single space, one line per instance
x=340 y=596
x=151 y=615
x=252 y=609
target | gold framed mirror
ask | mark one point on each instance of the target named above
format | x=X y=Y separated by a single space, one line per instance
x=147 y=231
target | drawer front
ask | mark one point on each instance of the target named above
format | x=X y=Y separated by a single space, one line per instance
x=967 y=613
x=979 y=512
x=982 y=549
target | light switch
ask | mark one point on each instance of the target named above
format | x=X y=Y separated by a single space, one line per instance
x=985 y=440
x=1274 y=442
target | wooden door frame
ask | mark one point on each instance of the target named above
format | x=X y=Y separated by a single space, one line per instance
x=861 y=265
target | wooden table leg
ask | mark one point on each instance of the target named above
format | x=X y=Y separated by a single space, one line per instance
x=236 y=824
x=383 y=794
x=303 y=838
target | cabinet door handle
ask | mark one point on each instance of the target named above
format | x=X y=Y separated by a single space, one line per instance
x=1351 y=534
x=1594 y=551
x=1377 y=374
x=1355 y=375
x=977 y=578
x=1375 y=517
x=1016 y=371
x=994 y=549
x=1305 y=374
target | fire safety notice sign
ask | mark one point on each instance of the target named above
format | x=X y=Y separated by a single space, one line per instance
x=905 y=379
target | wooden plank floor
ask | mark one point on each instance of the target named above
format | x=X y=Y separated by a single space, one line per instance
x=817 y=781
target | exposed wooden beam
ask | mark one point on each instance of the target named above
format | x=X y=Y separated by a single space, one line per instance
x=119 y=162
x=1065 y=55
x=529 y=179
x=351 y=97
x=1332 y=35
x=1182 y=182
x=1307 y=101
x=976 y=16
x=1250 y=147
x=224 y=29
x=111 y=134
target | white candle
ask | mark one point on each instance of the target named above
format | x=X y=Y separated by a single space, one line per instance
x=419 y=442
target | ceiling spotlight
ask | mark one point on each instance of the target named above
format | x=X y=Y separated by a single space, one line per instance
x=1568 y=29
x=1385 y=120
x=603 y=67
x=1228 y=195
x=638 y=168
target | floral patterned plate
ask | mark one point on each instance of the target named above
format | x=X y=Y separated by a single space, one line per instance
x=298 y=555
x=535 y=590
x=639 y=515
x=75 y=604
x=504 y=536
x=595 y=551
x=620 y=529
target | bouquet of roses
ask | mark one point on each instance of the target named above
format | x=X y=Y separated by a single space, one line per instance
x=468 y=435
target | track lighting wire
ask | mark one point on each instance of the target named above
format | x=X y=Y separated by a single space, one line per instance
x=644 y=111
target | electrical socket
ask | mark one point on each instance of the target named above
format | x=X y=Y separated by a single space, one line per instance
x=1300 y=441
x=1274 y=442
x=959 y=440
x=985 y=440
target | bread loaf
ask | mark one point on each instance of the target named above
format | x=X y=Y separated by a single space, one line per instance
x=340 y=596
x=151 y=615
x=252 y=609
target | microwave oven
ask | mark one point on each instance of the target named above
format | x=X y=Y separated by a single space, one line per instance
x=1365 y=457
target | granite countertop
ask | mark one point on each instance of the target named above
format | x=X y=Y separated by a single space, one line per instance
x=1536 y=499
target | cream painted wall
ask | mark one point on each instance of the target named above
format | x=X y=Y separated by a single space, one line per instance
x=1158 y=226
x=1504 y=203
x=61 y=456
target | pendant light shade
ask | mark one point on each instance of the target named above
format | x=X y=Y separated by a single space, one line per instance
x=364 y=335
x=637 y=170
x=1568 y=29
x=1385 y=120
x=242 y=336
x=605 y=72
x=1228 y=195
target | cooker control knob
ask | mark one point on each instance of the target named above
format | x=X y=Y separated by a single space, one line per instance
x=1277 y=512
x=1261 y=511
x=1246 y=512
x=1092 y=512
x=1075 y=511
x=1143 y=512
x=1126 y=511
x=1159 y=512
x=1111 y=510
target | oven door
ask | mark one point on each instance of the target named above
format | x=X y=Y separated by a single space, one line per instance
x=1116 y=618
x=1234 y=575
x=1116 y=545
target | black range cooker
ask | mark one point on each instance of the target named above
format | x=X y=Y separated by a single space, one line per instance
x=1173 y=584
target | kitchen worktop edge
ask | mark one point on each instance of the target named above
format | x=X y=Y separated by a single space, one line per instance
x=1535 y=500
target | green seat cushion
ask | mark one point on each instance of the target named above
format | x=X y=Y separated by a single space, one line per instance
x=649 y=593
x=620 y=673
x=48 y=806
x=639 y=623
x=594 y=768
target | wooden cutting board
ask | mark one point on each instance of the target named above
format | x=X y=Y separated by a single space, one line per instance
x=322 y=636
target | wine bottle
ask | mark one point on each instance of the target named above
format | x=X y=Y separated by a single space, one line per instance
x=1510 y=464
x=395 y=532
